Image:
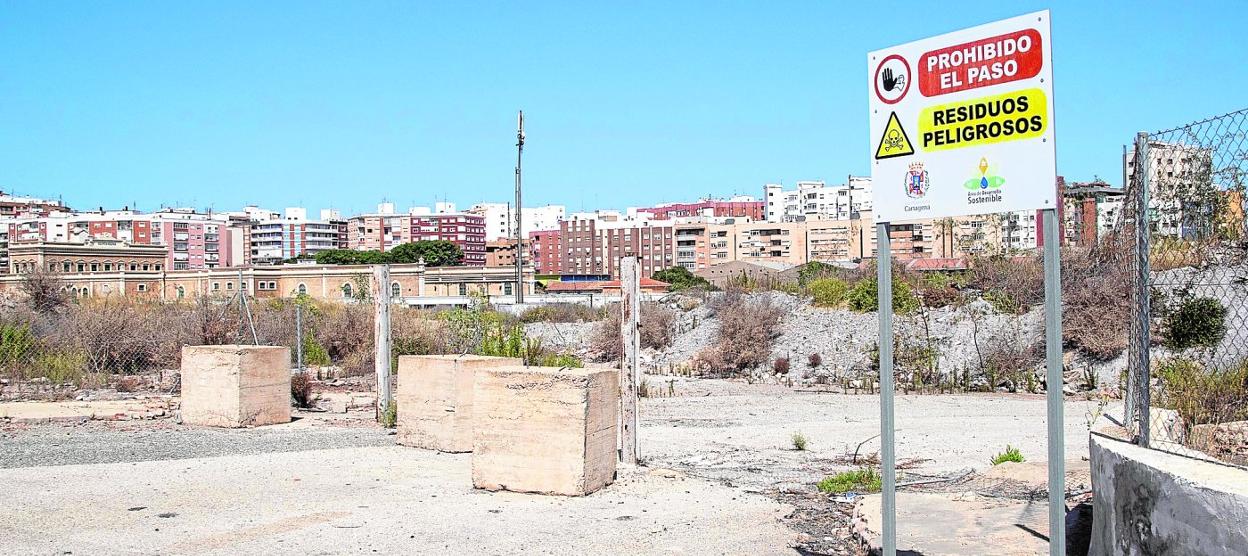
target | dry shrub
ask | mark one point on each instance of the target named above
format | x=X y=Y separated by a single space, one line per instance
x=658 y=329
x=1095 y=300
x=302 y=391
x=1020 y=280
x=747 y=329
x=121 y=337
x=1011 y=359
x=814 y=360
x=416 y=332
x=44 y=290
x=346 y=333
x=780 y=365
x=561 y=312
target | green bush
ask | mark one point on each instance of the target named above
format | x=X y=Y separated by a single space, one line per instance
x=828 y=292
x=314 y=353
x=799 y=442
x=860 y=480
x=390 y=417
x=679 y=278
x=1002 y=302
x=1010 y=454
x=1201 y=395
x=864 y=297
x=1198 y=322
x=61 y=367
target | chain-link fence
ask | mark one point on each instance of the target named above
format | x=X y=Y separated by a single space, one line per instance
x=55 y=346
x=1188 y=357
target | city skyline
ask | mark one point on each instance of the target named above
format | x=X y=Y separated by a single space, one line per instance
x=312 y=105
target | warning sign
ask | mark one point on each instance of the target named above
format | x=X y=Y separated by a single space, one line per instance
x=962 y=123
x=981 y=63
x=894 y=142
x=983 y=121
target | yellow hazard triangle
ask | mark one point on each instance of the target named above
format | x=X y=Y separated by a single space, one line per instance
x=894 y=142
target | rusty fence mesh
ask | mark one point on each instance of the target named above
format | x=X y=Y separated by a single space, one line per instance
x=1187 y=383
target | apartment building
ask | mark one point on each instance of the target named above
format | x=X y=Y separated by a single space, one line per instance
x=815 y=200
x=14 y=206
x=591 y=248
x=1182 y=186
x=736 y=207
x=500 y=219
x=384 y=231
x=294 y=235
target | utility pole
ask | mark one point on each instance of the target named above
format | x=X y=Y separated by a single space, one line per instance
x=519 y=212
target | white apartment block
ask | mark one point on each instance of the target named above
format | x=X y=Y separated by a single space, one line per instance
x=500 y=219
x=815 y=200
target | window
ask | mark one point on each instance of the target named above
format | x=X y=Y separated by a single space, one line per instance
x=302 y=289
x=147 y=267
x=65 y=266
x=463 y=289
x=108 y=267
x=229 y=285
x=346 y=290
x=95 y=267
x=81 y=267
x=507 y=288
x=157 y=267
x=216 y=286
x=134 y=266
x=181 y=292
x=142 y=287
x=395 y=289
x=272 y=285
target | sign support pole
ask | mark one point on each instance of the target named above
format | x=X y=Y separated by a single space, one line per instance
x=1053 y=358
x=888 y=467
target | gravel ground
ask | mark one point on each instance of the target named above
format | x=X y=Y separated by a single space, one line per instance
x=720 y=478
x=116 y=442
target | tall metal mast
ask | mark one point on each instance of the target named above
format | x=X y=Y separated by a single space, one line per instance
x=519 y=212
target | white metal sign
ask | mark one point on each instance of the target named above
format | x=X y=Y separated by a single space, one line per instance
x=962 y=123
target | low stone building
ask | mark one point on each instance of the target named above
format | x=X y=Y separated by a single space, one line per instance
x=325 y=282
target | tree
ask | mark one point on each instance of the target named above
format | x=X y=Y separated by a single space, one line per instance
x=680 y=278
x=435 y=253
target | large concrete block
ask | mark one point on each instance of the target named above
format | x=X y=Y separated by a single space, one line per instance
x=235 y=386
x=545 y=430
x=434 y=398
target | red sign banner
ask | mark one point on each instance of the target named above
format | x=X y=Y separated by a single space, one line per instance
x=982 y=63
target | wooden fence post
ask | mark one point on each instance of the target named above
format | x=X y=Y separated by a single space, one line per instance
x=630 y=370
x=380 y=290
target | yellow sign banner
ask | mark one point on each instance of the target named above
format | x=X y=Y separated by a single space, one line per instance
x=983 y=121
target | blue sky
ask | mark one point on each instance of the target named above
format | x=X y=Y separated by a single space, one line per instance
x=344 y=104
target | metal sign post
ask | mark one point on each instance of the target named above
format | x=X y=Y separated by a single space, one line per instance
x=888 y=458
x=962 y=124
x=1053 y=382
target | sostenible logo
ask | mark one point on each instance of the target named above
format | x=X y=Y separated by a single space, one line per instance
x=984 y=181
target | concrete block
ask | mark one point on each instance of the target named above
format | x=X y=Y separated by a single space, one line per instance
x=434 y=397
x=545 y=430
x=235 y=386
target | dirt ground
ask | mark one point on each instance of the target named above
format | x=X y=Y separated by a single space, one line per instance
x=720 y=477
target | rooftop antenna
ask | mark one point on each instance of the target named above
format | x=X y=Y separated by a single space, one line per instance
x=519 y=212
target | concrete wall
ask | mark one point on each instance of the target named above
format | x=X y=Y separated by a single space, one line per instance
x=1151 y=502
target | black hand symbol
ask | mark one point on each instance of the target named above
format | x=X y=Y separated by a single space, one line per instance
x=890 y=82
